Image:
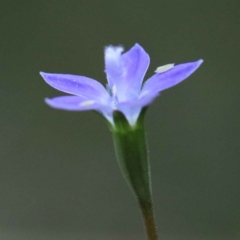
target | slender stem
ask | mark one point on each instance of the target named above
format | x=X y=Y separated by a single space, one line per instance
x=149 y=220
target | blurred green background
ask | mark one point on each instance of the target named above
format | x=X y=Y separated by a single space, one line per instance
x=59 y=178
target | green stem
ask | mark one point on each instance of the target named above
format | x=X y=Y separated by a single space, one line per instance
x=132 y=155
x=149 y=220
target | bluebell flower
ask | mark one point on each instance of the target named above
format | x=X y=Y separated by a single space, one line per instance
x=125 y=89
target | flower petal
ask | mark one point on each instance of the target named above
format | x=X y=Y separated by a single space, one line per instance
x=131 y=109
x=126 y=72
x=77 y=85
x=113 y=64
x=75 y=103
x=164 y=80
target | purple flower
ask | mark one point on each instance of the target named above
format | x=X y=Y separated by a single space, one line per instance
x=125 y=90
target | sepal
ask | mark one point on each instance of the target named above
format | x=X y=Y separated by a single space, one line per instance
x=132 y=154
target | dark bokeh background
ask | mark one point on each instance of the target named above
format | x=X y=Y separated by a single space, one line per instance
x=59 y=178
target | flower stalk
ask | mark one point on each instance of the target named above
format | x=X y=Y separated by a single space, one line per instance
x=149 y=220
x=132 y=155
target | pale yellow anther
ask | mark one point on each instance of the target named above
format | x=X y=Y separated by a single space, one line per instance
x=87 y=103
x=114 y=90
x=164 y=68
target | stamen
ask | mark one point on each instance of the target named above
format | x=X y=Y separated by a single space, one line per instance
x=87 y=103
x=114 y=90
x=142 y=94
x=114 y=96
x=164 y=68
x=108 y=89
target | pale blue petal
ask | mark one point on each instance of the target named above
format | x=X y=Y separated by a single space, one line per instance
x=77 y=85
x=76 y=103
x=125 y=72
x=131 y=109
x=175 y=75
x=113 y=64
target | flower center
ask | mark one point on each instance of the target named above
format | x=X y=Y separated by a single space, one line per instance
x=114 y=96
